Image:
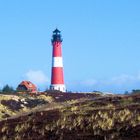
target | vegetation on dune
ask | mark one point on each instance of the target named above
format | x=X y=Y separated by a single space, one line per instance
x=99 y=118
x=11 y=105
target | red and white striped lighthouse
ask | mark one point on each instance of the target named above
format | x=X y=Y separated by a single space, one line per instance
x=57 y=78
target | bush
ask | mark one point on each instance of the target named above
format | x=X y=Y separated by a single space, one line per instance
x=135 y=91
x=7 y=89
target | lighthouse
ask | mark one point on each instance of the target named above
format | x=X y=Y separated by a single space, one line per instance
x=57 y=77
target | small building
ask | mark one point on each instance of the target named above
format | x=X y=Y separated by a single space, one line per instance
x=27 y=86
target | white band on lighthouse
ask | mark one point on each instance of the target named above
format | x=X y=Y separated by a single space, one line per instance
x=59 y=87
x=57 y=62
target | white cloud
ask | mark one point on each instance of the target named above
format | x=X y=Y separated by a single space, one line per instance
x=117 y=80
x=37 y=77
x=121 y=80
x=117 y=83
x=90 y=82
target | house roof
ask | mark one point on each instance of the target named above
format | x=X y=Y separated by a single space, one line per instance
x=28 y=85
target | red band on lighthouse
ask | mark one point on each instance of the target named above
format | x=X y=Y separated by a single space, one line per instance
x=57 y=75
x=57 y=78
x=57 y=49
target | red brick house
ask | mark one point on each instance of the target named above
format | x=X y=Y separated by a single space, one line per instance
x=27 y=86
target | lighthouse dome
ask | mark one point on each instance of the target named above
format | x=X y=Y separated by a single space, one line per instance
x=56 y=37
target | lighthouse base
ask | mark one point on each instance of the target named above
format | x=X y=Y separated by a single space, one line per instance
x=59 y=87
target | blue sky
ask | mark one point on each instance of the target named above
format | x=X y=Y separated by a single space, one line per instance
x=101 y=43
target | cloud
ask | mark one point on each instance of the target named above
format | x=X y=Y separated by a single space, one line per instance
x=36 y=76
x=117 y=83
x=123 y=79
x=120 y=80
x=90 y=82
x=117 y=80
